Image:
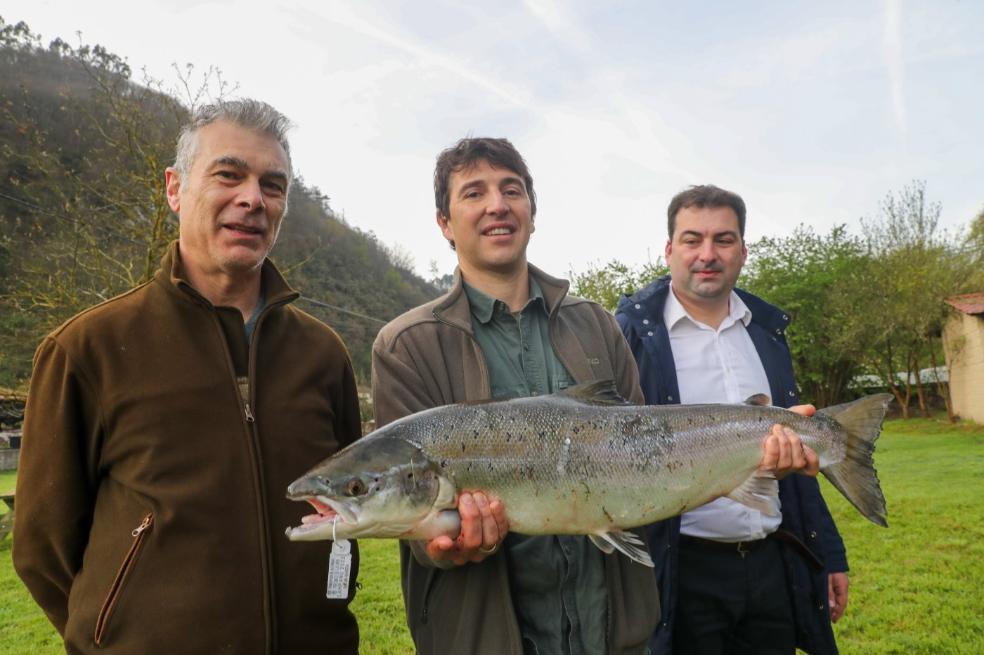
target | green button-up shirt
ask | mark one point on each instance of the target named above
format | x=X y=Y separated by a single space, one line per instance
x=558 y=582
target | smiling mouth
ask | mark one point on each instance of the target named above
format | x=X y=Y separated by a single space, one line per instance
x=498 y=231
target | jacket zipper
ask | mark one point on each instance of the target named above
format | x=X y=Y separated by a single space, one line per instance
x=139 y=534
x=270 y=601
x=248 y=424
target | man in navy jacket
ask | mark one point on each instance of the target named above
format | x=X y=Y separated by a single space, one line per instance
x=714 y=599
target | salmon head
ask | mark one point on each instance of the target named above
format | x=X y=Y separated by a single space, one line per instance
x=381 y=486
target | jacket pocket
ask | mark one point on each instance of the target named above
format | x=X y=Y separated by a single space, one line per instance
x=139 y=535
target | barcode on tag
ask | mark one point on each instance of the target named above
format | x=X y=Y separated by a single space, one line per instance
x=339 y=569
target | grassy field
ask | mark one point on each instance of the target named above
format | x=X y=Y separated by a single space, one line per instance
x=917 y=587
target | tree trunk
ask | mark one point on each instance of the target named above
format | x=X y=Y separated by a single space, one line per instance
x=920 y=394
x=903 y=401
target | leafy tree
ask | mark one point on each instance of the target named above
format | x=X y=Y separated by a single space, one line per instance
x=608 y=283
x=976 y=236
x=897 y=295
x=803 y=274
x=82 y=205
x=975 y=245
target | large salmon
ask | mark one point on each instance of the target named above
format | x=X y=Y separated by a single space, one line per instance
x=582 y=461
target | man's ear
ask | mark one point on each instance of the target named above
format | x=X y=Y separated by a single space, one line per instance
x=668 y=249
x=444 y=223
x=172 y=183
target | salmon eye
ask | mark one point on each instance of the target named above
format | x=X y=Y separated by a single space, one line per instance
x=356 y=487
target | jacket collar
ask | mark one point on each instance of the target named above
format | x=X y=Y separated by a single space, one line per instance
x=172 y=275
x=453 y=308
x=647 y=305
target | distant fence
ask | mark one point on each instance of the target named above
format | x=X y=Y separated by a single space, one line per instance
x=9 y=450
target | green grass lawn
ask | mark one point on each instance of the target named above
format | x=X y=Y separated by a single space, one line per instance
x=917 y=587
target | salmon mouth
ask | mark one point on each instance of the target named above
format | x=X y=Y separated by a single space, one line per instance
x=329 y=515
x=324 y=512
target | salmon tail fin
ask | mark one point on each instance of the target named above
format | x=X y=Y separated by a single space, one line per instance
x=855 y=475
x=625 y=542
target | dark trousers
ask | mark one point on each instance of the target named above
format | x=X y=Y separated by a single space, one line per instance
x=732 y=602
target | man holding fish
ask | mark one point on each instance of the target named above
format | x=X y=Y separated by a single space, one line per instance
x=508 y=330
x=732 y=579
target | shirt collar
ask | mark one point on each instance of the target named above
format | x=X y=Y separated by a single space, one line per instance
x=483 y=306
x=674 y=311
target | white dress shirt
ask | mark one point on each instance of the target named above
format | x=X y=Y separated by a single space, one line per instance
x=718 y=366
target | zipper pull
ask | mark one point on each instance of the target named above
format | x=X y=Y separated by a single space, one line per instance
x=249 y=414
x=143 y=526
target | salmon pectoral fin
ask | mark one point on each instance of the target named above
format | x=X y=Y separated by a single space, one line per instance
x=627 y=543
x=603 y=545
x=761 y=492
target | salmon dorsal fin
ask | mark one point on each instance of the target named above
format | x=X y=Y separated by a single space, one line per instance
x=481 y=401
x=600 y=392
x=759 y=399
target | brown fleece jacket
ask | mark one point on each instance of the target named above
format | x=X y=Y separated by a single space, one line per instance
x=158 y=445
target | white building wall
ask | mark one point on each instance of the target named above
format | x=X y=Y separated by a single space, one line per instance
x=963 y=343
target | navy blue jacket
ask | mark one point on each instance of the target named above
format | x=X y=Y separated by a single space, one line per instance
x=804 y=512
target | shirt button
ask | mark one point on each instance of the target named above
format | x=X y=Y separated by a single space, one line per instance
x=638 y=306
x=669 y=397
x=813 y=534
x=650 y=333
x=791 y=394
x=778 y=331
x=645 y=321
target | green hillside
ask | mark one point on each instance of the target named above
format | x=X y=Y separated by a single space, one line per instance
x=83 y=217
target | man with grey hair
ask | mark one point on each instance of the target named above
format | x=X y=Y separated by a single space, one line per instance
x=164 y=425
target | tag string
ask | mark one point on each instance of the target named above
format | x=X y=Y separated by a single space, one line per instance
x=333 y=523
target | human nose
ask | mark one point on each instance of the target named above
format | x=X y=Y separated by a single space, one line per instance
x=497 y=204
x=707 y=252
x=251 y=196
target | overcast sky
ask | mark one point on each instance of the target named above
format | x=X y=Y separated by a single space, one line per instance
x=812 y=111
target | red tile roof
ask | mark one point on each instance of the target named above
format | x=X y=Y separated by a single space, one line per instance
x=969 y=303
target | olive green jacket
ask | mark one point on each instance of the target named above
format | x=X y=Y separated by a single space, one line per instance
x=151 y=493
x=428 y=357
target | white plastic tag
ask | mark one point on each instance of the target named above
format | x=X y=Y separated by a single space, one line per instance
x=339 y=567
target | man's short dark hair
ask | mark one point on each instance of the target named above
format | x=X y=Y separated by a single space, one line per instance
x=705 y=195
x=499 y=153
